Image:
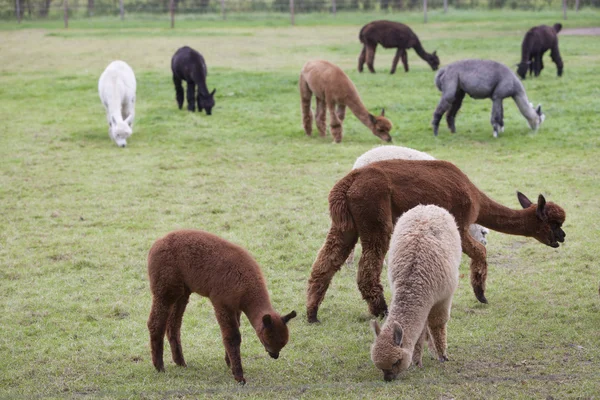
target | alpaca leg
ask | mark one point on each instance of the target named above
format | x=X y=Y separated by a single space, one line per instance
x=178 y=91
x=555 y=55
x=448 y=96
x=437 y=320
x=537 y=68
x=395 y=61
x=335 y=123
x=191 y=97
x=321 y=117
x=477 y=253
x=404 y=57
x=341 y=112
x=227 y=361
x=417 y=358
x=374 y=248
x=361 y=58
x=496 y=120
x=371 y=56
x=329 y=260
x=456 y=104
x=307 y=115
x=157 y=325
x=232 y=340
x=174 y=328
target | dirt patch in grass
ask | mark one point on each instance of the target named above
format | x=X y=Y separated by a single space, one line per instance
x=581 y=31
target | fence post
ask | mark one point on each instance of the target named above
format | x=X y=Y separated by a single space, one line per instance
x=292 y=11
x=425 y=10
x=333 y=7
x=66 y=17
x=18 y=9
x=223 y=9
x=565 y=9
x=576 y=5
x=121 y=10
x=172 y=10
x=445 y=6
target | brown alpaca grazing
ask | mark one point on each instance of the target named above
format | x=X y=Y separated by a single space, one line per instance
x=333 y=88
x=367 y=202
x=189 y=261
x=391 y=34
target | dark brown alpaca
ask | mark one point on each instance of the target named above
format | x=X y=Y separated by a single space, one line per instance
x=189 y=261
x=367 y=201
x=536 y=42
x=391 y=34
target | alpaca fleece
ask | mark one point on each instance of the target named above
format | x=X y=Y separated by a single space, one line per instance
x=189 y=261
x=424 y=257
x=189 y=65
x=391 y=34
x=366 y=202
x=536 y=42
x=334 y=91
x=116 y=88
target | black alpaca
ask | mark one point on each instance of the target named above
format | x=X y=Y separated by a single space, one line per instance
x=536 y=42
x=391 y=34
x=188 y=65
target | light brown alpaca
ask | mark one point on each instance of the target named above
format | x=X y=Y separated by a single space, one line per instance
x=423 y=266
x=189 y=261
x=367 y=201
x=334 y=89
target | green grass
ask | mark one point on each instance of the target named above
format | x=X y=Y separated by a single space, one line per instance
x=79 y=214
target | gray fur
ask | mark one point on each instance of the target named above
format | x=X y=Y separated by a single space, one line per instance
x=481 y=79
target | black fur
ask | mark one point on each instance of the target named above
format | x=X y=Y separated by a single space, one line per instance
x=536 y=42
x=188 y=65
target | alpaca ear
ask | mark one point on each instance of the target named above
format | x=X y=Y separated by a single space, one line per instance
x=372 y=118
x=541 y=207
x=523 y=200
x=383 y=112
x=267 y=320
x=286 y=318
x=538 y=110
x=435 y=53
x=398 y=334
x=128 y=119
x=113 y=121
x=213 y=92
x=375 y=327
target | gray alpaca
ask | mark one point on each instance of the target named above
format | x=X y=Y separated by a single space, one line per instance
x=481 y=79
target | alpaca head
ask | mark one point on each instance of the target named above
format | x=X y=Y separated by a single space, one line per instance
x=479 y=233
x=381 y=126
x=549 y=220
x=522 y=69
x=119 y=131
x=434 y=61
x=206 y=102
x=274 y=333
x=387 y=353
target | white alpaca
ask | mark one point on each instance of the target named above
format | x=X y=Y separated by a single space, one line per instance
x=425 y=252
x=116 y=88
x=382 y=153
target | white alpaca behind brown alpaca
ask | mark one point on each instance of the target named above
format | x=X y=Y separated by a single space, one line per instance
x=335 y=91
x=424 y=257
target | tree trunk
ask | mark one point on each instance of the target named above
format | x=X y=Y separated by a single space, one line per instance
x=333 y=7
x=445 y=6
x=576 y=5
x=425 y=10
x=90 y=8
x=172 y=10
x=18 y=10
x=223 y=10
x=292 y=12
x=565 y=9
x=121 y=10
x=66 y=12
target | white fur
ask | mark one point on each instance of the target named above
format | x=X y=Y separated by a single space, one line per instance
x=382 y=153
x=116 y=88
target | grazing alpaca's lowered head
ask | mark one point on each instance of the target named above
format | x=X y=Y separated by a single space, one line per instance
x=334 y=91
x=425 y=252
x=189 y=261
x=117 y=87
x=481 y=79
x=189 y=65
x=536 y=42
x=365 y=203
x=391 y=34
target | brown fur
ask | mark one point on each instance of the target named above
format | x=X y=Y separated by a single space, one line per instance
x=367 y=201
x=391 y=34
x=189 y=261
x=334 y=90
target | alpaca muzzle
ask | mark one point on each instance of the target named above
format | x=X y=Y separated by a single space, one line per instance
x=274 y=355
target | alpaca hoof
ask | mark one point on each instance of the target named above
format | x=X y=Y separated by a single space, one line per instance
x=480 y=296
x=241 y=381
x=444 y=358
x=311 y=316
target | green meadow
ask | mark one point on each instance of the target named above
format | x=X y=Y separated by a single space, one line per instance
x=78 y=214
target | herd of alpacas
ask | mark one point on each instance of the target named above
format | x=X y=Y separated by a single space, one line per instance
x=424 y=212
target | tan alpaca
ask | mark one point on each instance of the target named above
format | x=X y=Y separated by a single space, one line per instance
x=189 y=261
x=425 y=252
x=334 y=89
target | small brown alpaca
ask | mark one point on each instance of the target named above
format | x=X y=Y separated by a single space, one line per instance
x=333 y=88
x=367 y=201
x=189 y=261
x=391 y=34
x=423 y=265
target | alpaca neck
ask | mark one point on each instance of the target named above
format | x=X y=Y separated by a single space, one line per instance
x=256 y=307
x=201 y=83
x=497 y=217
x=421 y=51
x=525 y=108
x=361 y=112
x=406 y=318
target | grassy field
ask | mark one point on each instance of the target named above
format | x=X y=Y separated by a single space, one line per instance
x=78 y=215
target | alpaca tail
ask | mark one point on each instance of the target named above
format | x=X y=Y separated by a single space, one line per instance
x=438 y=78
x=557 y=27
x=338 y=204
x=360 y=35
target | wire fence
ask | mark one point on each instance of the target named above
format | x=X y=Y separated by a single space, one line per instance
x=53 y=9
